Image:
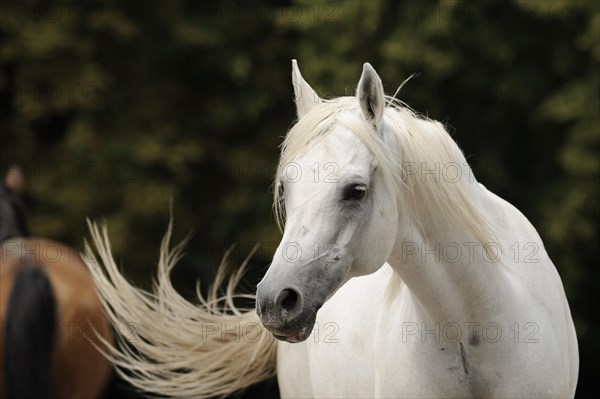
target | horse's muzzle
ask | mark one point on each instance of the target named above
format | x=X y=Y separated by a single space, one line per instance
x=285 y=313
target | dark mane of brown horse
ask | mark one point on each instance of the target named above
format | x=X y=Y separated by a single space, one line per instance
x=50 y=313
x=13 y=215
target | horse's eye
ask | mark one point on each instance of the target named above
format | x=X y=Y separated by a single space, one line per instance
x=280 y=189
x=355 y=192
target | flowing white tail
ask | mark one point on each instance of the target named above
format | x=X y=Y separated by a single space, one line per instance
x=171 y=347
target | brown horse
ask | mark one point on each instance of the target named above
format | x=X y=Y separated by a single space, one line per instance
x=49 y=310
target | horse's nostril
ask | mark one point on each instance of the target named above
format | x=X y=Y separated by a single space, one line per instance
x=289 y=300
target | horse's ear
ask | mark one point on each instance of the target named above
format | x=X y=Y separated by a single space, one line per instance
x=304 y=95
x=14 y=179
x=370 y=95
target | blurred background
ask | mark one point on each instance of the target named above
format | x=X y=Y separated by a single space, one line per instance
x=113 y=108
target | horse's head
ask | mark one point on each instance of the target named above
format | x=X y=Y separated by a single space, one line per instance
x=334 y=183
x=12 y=212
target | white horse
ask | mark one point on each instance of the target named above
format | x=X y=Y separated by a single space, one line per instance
x=466 y=304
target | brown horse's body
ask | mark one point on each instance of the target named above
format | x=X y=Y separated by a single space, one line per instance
x=76 y=369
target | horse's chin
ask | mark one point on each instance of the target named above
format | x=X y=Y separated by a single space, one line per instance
x=289 y=340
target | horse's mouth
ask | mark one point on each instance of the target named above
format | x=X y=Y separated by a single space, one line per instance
x=292 y=333
x=300 y=336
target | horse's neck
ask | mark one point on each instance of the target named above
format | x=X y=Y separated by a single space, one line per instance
x=445 y=283
x=447 y=270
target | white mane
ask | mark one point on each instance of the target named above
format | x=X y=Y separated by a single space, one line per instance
x=424 y=144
